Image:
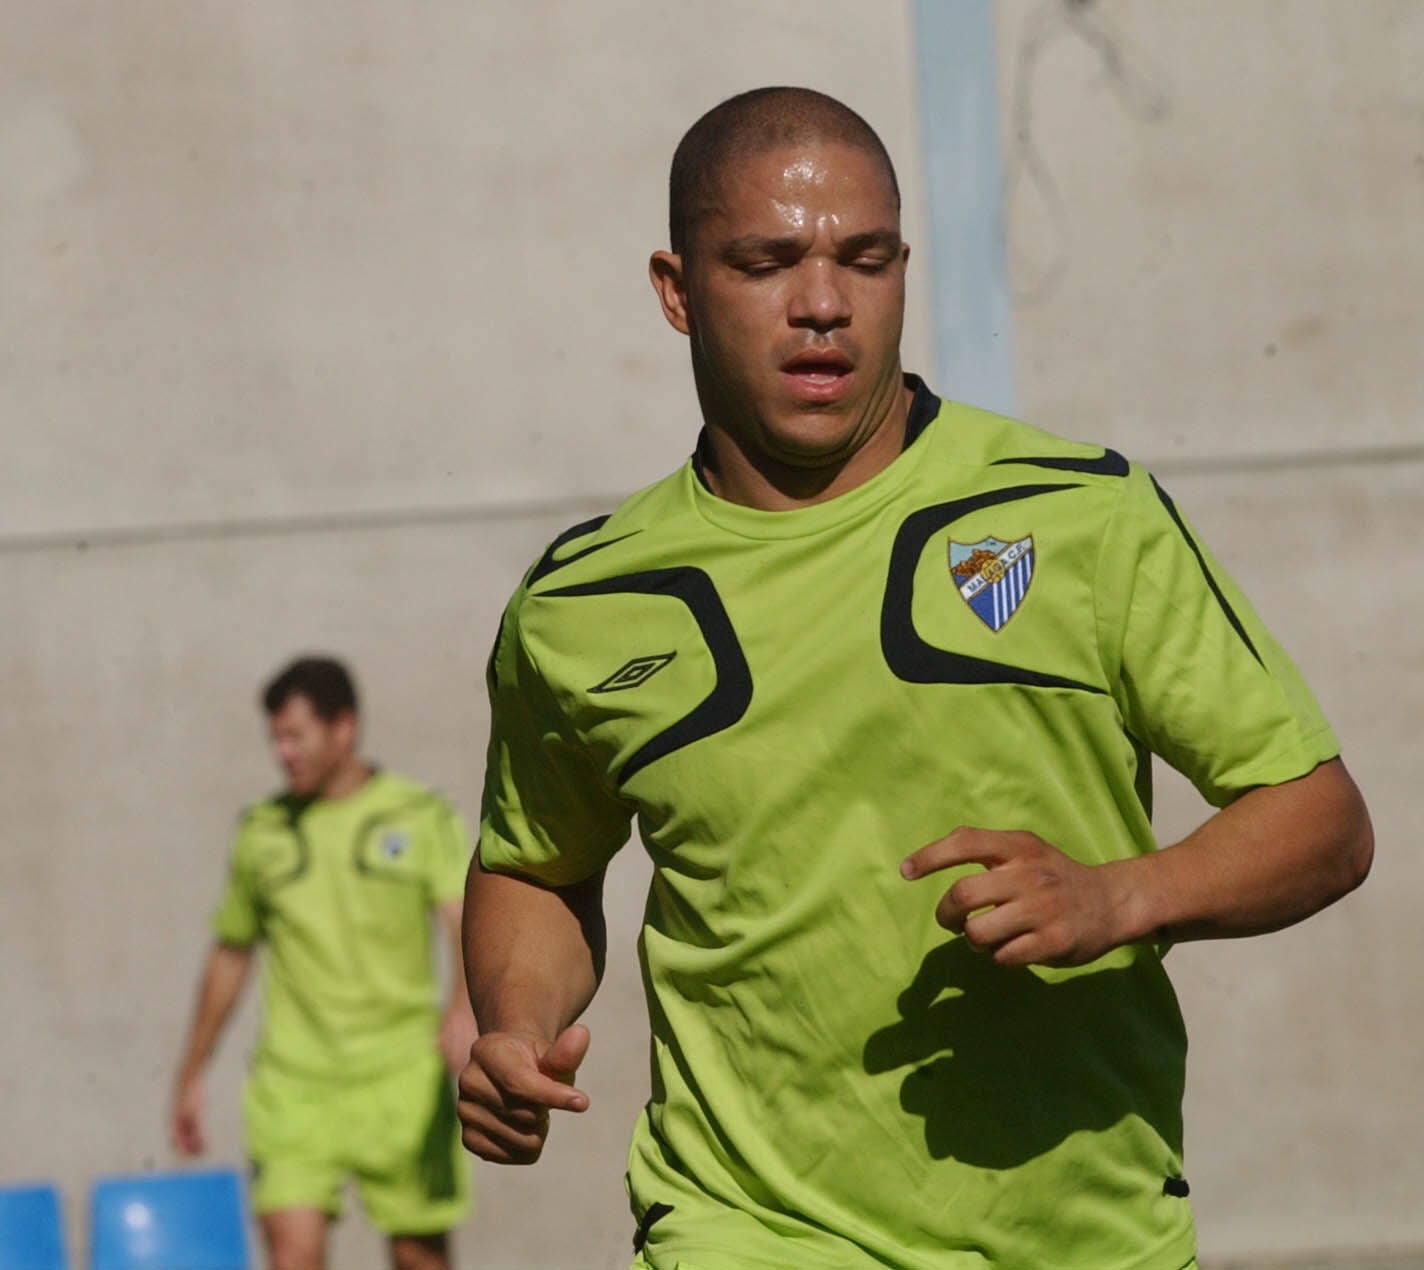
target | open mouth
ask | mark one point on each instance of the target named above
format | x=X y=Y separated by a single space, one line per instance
x=818 y=363
x=817 y=373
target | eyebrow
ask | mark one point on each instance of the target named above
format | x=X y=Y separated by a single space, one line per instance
x=755 y=244
x=889 y=238
x=758 y=244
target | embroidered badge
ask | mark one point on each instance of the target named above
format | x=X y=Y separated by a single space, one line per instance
x=394 y=843
x=993 y=576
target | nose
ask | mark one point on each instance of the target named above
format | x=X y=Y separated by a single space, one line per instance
x=819 y=301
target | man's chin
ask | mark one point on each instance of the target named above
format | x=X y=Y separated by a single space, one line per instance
x=812 y=441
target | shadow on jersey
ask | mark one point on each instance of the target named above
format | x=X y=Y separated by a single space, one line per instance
x=1003 y=1065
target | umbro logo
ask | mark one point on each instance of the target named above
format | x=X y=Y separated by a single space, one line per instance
x=634 y=674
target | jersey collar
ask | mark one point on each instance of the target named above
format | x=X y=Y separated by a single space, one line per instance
x=752 y=522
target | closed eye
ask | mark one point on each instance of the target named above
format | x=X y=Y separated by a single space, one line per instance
x=871 y=264
x=872 y=252
x=756 y=255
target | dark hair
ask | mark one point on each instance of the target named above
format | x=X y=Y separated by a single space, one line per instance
x=748 y=124
x=323 y=681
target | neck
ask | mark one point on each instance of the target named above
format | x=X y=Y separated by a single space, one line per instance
x=347 y=779
x=740 y=471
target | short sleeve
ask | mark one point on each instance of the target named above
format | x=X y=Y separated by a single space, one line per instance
x=1199 y=679
x=547 y=813
x=450 y=855
x=238 y=917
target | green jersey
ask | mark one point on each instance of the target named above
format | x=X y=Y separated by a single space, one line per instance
x=341 y=892
x=993 y=631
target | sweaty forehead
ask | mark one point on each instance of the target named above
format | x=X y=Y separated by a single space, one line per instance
x=779 y=182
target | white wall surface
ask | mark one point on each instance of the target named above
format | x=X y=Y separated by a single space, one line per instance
x=1214 y=215
x=316 y=322
x=320 y=258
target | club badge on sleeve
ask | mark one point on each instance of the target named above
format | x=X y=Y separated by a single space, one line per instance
x=993 y=576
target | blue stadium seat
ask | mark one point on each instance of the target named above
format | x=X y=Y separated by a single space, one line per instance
x=31 y=1228
x=162 y=1221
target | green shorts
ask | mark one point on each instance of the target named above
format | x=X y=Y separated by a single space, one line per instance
x=395 y=1134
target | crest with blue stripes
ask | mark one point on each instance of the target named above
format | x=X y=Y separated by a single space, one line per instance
x=993 y=576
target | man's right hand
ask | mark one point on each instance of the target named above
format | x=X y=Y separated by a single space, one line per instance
x=186 y=1128
x=512 y=1082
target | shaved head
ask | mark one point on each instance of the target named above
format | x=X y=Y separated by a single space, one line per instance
x=750 y=124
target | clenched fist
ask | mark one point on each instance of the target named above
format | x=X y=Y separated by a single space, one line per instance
x=512 y=1082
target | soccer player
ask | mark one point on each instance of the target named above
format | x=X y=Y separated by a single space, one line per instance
x=339 y=876
x=878 y=675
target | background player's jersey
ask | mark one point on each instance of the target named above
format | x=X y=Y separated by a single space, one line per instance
x=341 y=891
x=993 y=631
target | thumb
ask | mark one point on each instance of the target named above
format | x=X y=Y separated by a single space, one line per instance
x=561 y=1060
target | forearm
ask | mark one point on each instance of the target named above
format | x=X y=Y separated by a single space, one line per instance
x=223 y=977
x=1273 y=857
x=533 y=955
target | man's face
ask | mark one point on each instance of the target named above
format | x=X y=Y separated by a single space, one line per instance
x=792 y=291
x=310 y=749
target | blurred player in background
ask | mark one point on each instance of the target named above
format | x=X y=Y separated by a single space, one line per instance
x=878 y=674
x=339 y=876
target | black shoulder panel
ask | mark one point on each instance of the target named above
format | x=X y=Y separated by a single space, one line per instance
x=294 y=808
x=1110 y=463
x=909 y=656
x=1206 y=572
x=547 y=564
x=732 y=693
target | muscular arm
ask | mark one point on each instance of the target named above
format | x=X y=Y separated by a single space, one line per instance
x=533 y=954
x=533 y=960
x=224 y=974
x=1273 y=857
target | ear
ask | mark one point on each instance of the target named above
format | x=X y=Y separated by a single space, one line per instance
x=669 y=280
x=348 y=729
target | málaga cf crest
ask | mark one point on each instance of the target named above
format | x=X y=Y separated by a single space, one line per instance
x=993 y=576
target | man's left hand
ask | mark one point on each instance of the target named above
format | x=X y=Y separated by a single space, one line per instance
x=1033 y=905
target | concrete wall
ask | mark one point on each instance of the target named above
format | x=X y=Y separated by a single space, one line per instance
x=318 y=322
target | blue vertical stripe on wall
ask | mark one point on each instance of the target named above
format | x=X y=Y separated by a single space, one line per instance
x=959 y=130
